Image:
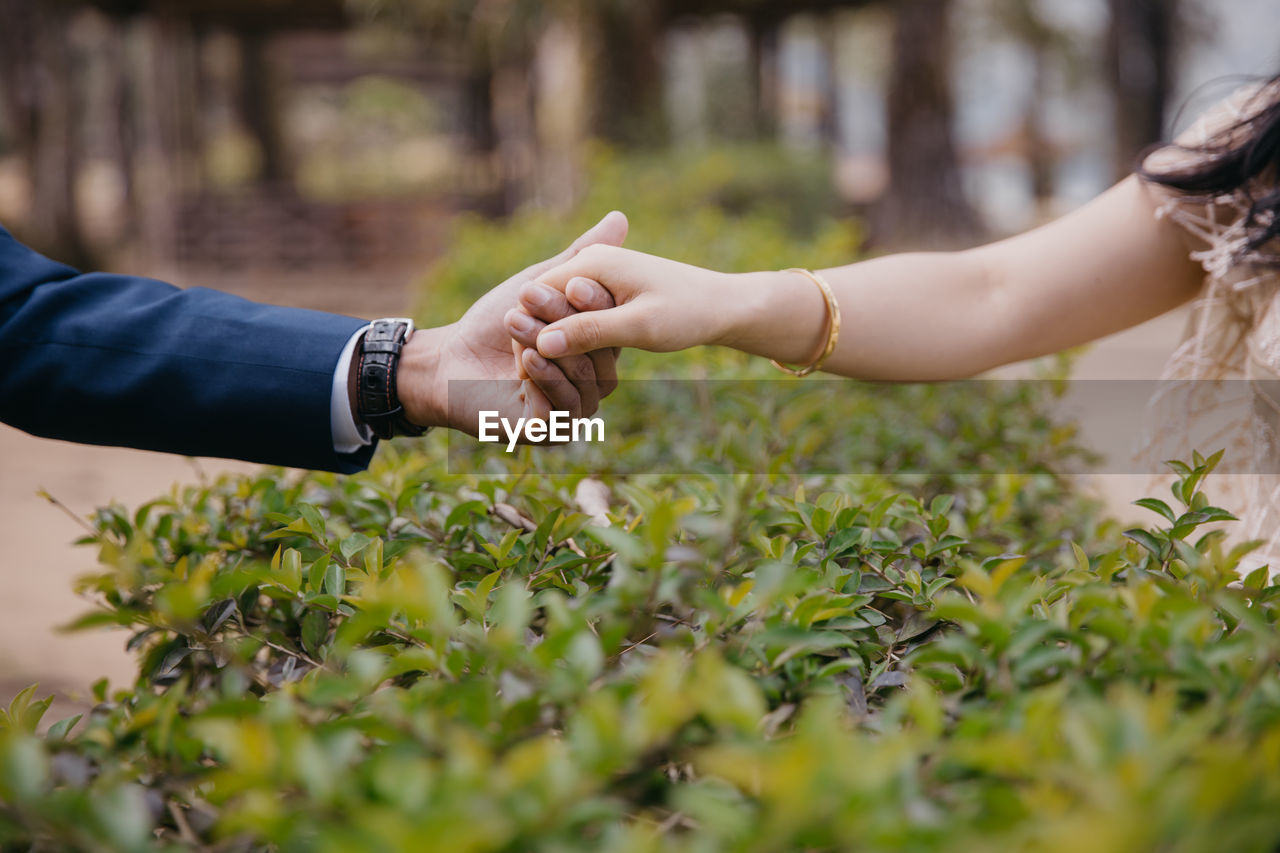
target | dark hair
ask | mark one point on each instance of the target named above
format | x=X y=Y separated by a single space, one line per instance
x=1237 y=156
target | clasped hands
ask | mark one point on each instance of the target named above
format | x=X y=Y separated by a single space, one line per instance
x=548 y=338
x=488 y=361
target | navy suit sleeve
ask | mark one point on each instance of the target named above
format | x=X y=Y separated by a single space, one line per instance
x=133 y=362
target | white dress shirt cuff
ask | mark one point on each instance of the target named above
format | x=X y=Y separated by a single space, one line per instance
x=348 y=437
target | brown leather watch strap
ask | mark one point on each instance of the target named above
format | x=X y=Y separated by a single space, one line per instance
x=378 y=358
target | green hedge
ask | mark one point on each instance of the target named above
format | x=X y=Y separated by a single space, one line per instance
x=409 y=659
x=392 y=661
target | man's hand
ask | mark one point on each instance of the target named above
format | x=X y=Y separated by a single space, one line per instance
x=479 y=349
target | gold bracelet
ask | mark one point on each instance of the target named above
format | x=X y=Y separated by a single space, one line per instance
x=833 y=327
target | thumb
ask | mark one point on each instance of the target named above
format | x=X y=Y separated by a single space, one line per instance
x=593 y=330
x=610 y=231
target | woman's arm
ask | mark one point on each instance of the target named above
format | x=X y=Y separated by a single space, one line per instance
x=1107 y=266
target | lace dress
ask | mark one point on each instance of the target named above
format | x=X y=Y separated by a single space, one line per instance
x=1222 y=383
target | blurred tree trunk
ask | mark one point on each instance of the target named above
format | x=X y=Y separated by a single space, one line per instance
x=628 y=72
x=190 y=90
x=122 y=96
x=477 y=104
x=764 y=30
x=925 y=203
x=178 y=91
x=39 y=75
x=560 y=115
x=480 y=129
x=1039 y=152
x=829 y=83
x=261 y=107
x=516 y=129
x=1140 y=54
x=1024 y=21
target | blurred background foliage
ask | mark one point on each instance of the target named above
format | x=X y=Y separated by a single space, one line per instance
x=133 y=131
x=734 y=208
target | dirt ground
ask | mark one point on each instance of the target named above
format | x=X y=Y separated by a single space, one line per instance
x=43 y=564
x=37 y=536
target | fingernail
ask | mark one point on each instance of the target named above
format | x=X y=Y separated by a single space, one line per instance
x=539 y=293
x=579 y=289
x=553 y=343
x=536 y=361
x=521 y=322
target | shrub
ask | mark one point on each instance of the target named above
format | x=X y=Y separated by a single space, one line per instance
x=378 y=662
x=792 y=659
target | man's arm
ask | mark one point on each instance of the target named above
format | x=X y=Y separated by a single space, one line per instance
x=127 y=361
x=121 y=360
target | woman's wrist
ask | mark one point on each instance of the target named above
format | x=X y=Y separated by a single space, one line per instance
x=779 y=315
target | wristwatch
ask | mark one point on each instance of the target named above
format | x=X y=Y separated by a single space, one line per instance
x=378 y=359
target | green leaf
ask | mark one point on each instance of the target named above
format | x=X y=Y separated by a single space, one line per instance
x=60 y=729
x=335 y=580
x=315 y=521
x=123 y=816
x=373 y=557
x=217 y=614
x=316 y=574
x=25 y=712
x=24 y=768
x=542 y=535
x=503 y=548
x=352 y=545
x=291 y=570
x=1157 y=506
x=877 y=513
x=297 y=527
x=485 y=587
x=1082 y=559
x=1257 y=579
x=946 y=543
x=315 y=629
x=1148 y=540
x=463 y=514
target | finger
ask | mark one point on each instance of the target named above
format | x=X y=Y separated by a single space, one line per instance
x=522 y=328
x=536 y=404
x=602 y=373
x=605 y=362
x=544 y=303
x=610 y=231
x=587 y=295
x=626 y=326
x=580 y=371
x=584 y=294
x=559 y=391
x=599 y=263
x=517 y=350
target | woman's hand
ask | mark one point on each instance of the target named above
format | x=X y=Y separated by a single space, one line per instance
x=450 y=373
x=587 y=378
x=662 y=305
x=906 y=318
